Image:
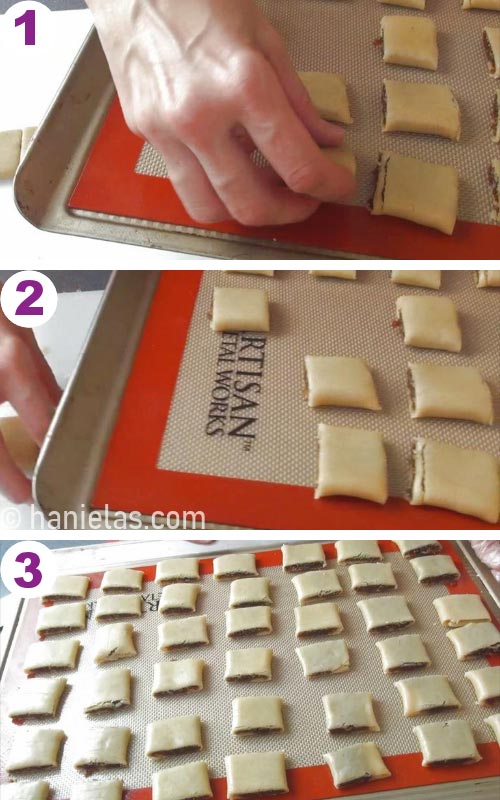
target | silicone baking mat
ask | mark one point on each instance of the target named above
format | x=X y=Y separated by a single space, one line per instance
x=247 y=454
x=125 y=178
x=306 y=738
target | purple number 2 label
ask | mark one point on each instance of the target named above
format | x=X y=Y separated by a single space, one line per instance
x=31 y=563
x=29 y=21
x=27 y=307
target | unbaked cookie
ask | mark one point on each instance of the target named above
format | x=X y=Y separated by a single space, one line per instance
x=249 y=666
x=449 y=392
x=107 y=691
x=39 y=698
x=251 y=774
x=10 y=153
x=178 y=677
x=491 y=39
x=103 y=748
x=344 y=382
x=342 y=156
x=353 y=766
x=423 y=695
x=429 y=108
x=455 y=478
x=353 y=463
x=415 y=190
x=321 y=619
x=35 y=748
x=240 y=310
x=187 y=782
x=343 y=274
x=494 y=723
x=116 y=581
x=36 y=790
x=255 y=621
x=328 y=94
x=176 y=736
x=177 y=570
x=487 y=278
x=179 y=598
x=237 y=565
x=410 y=41
x=324 y=658
x=435 y=569
x=314 y=586
x=486 y=684
x=191 y=632
x=430 y=322
x=303 y=557
x=384 y=614
x=476 y=640
x=419 y=5
x=447 y=743
x=49 y=656
x=118 y=606
x=457 y=610
x=401 y=653
x=257 y=715
x=424 y=278
x=114 y=642
x=248 y=592
x=97 y=790
x=63 y=618
x=350 y=712
x=68 y=587
x=350 y=551
x=372 y=578
x=267 y=272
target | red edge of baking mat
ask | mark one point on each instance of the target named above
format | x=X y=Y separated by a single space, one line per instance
x=109 y=184
x=315 y=783
x=130 y=480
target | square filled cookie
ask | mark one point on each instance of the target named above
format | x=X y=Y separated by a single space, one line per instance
x=486 y=684
x=402 y=653
x=179 y=598
x=476 y=640
x=175 y=736
x=251 y=774
x=63 y=618
x=97 y=790
x=116 y=581
x=40 y=697
x=314 y=586
x=384 y=614
x=322 y=619
x=460 y=609
x=68 y=587
x=254 y=621
x=426 y=694
x=352 y=766
x=114 y=642
x=109 y=690
x=423 y=278
x=435 y=569
x=328 y=94
x=236 y=565
x=50 y=656
x=336 y=381
x=371 y=578
x=190 y=632
x=178 y=677
x=249 y=666
x=449 y=392
x=257 y=715
x=187 y=782
x=410 y=41
x=248 y=592
x=35 y=748
x=177 y=570
x=420 y=108
x=303 y=557
x=103 y=748
x=350 y=712
x=35 y=790
x=352 y=463
x=118 y=606
x=240 y=310
x=350 y=551
x=430 y=322
x=447 y=743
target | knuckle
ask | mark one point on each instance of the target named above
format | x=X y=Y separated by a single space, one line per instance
x=247 y=74
x=304 y=179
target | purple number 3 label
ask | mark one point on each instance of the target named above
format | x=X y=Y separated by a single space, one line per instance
x=28 y=19
x=31 y=563
x=27 y=307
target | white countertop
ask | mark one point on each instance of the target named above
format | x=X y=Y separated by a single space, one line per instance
x=35 y=73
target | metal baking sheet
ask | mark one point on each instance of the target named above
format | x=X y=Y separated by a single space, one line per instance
x=302 y=699
x=307 y=27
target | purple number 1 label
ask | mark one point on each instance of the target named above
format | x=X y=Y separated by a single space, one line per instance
x=27 y=307
x=29 y=21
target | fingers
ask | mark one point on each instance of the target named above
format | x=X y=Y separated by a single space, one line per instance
x=45 y=373
x=13 y=483
x=251 y=194
x=191 y=183
x=288 y=146
x=326 y=134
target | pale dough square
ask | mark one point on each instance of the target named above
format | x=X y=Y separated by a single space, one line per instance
x=328 y=94
x=423 y=695
x=267 y=272
x=462 y=480
x=447 y=743
x=188 y=782
x=26 y=137
x=35 y=748
x=189 y=632
x=415 y=190
x=63 y=618
x=419 y=5
x=178 y=598
x=491 y=39
x=423 y=278
x=350 y=712
x=489 y=278
x=429 y=108
x=250 y=774
x=342 y=156
x=486 y=684
x=303 y=557
x=372 y=577
x=255 y=621
x=486 y=5
x=343 y=274
x=455 y=610
x=177 y=570
x=253 y=665
x=449 y=392
x=109 y=690
x=68 y=587
x=176 y=736
x=476 y=640
x=237 y=565
x=383 y=614
x=435 y=569
x=350 y=551
x=324 y=658
x=410 y=41
x=353 y=463
x=178 y=677
x=122 y=580
x=494 y=724
x=114 y=606
x=97 y=790
x=248 y=592
x=49 y=656
x=39 y=697
x=314 y=586
x=418 y=547
x=10 y=153
x=36 y=790
x=403 y=653
x=240 y=310
x=344 y=382
x=430 y=322
x=361 y=763
x=102 y=748
x=320 y=619
x=257 y=715
x=114 y=642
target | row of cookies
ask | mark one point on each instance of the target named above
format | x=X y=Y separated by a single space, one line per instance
x=423 y=278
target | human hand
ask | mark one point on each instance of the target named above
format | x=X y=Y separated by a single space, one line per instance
x=27 y=382
x=207 y=82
